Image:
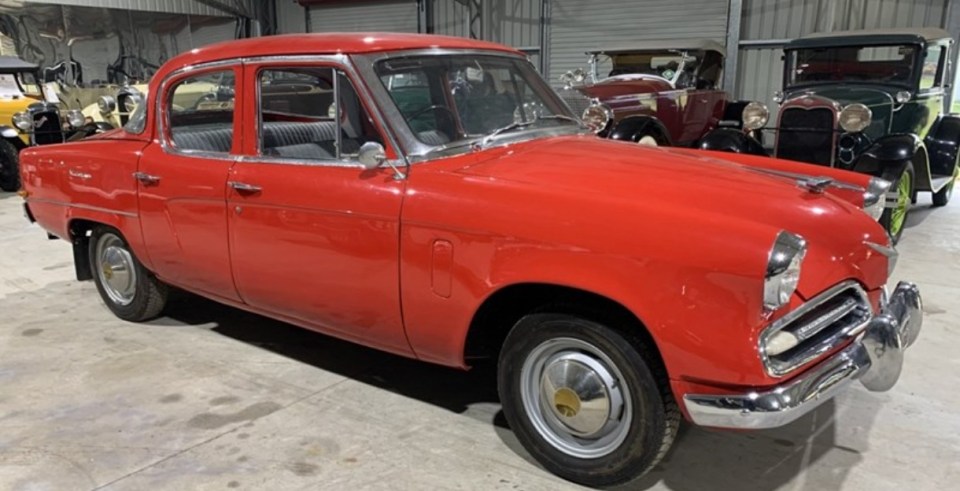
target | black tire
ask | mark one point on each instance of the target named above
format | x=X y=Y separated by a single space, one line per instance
x=942 y=197
x=888 y=218
x=9 y=166
x=147 y=294
x=642 y=433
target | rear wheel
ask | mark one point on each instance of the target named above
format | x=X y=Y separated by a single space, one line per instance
x=894 y=219
x=130 y=291
x=584 y=400
x=9 y=166
x=942 y=197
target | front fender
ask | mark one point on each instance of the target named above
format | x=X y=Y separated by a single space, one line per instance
x=632 y=128
x=894 y=148
x=731 y=140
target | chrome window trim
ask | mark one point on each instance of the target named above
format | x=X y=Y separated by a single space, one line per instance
x=161 y=127
x=415 y=150
x=336 y=62
x=824 y=346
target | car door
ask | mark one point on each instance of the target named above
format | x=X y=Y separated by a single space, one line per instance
x=182 y=184
x=314 y=238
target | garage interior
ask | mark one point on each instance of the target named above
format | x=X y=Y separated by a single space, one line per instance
x=211 y=397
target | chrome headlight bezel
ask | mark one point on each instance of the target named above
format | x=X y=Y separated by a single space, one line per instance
x=106 y=104
x=22 y=120
x=75 y=118
x=855 y=117
x=874 y=197
x=597 y=116
x=755 y=116
x=783 y=270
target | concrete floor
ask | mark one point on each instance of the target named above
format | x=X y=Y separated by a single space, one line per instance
x=210 y=397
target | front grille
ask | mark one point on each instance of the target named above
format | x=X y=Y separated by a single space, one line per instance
x=576 y=100
x=47 y=128
x=820 y=325
x=806 y=135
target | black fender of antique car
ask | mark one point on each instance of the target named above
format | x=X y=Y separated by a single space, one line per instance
x=88 y=130
x=635 y=127
x=731 y=140
x=943 y=143
x=12 y=135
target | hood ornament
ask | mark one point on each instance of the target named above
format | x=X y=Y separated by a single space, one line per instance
x=814 y=184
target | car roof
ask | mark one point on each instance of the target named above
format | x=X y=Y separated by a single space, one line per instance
x=907 y=35
x=328 y=43
x=676 y=45
x=14 y=64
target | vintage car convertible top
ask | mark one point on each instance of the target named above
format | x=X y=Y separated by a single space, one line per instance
x=432 y=197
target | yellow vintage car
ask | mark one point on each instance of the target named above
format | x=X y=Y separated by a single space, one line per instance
x=28 y=116
x=115 y=110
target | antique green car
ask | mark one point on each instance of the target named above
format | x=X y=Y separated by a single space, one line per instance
x=868 y=101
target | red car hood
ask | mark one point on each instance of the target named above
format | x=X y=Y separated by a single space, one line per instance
x=697 y=186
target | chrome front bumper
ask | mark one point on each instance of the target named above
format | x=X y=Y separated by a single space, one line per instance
x=876 y=359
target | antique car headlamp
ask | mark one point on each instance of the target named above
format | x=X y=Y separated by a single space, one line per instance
x=874 y=197
x=855 y=117
x=903 y=97
x=572 y=78
x=778 y=96
x=783 y=270
x=597 y=116
x=755 y=116
x=75 y=118
x=107 y=104
x=23 y=121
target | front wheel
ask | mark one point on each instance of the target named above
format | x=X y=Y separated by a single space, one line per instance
x=130 y=291
x=9 y=166
x=584 y=401
x=894 y=219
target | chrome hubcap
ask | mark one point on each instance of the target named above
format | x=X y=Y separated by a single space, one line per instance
x=576 y=398
x=115 y=267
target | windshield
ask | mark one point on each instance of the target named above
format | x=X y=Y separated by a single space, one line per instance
x=873 y=64
x=664 y=64
x=14 y=85
x=451 y=99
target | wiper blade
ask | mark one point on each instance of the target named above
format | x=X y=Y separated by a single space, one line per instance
x=523 y=124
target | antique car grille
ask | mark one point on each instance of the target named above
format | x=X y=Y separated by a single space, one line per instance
x=806 y=135
x=47 y=127
x=820 y=325
x=576 y=100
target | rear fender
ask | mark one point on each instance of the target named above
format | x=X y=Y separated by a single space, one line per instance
x=81 y=220
x=632 y=128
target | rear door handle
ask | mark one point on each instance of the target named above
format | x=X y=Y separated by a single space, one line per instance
x=145 y=178
x=243 y=187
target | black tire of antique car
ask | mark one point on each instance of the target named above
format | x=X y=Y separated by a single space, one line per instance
x=548 y=344
x=9 y=167
x=128 y=289
x=889 y=219
x=942 y=197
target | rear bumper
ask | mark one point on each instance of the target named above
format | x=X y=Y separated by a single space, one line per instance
x=876 y=359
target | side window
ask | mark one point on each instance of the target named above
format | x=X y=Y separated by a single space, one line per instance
x=930 y=75
x=200 y=112
x=311 y=113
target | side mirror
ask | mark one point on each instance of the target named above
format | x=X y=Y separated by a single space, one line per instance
x=371 y=155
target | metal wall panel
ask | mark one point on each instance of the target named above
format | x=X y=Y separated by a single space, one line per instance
x=578 y=26
x=169 y=6
x=383 y=16
x=760 y=70
x=291 y=17
x=512 y=22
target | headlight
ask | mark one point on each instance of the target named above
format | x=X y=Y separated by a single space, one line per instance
x=107 y=104
x=855 y=117
x=904 y=97
x=75 y=118
x=874 y=198
x=755 y=116
x=783 y=270
x=596 y=116
x=23 y=121
x=778 y=96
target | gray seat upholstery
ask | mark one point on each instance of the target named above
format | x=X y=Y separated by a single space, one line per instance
x=281 y=134
x=204 y=139
x=433 y=137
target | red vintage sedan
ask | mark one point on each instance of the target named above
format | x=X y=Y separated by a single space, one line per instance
x=433 y=197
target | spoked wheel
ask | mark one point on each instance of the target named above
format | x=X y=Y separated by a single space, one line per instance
x=894 y=219
x=130 y=291
x=583 y=400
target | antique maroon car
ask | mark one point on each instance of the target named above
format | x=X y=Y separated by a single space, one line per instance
x=664 y=94
x=432 y=197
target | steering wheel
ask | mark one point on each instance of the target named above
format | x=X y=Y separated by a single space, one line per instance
x=434 y=107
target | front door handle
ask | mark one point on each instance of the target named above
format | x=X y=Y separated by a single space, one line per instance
x=146 y=179
x=243 y=187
